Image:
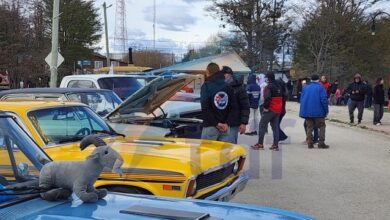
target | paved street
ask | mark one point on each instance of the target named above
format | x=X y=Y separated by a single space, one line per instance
x=348 y=181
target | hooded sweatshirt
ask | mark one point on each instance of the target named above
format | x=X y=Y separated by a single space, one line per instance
x=216 y=101
x=262 y=83
x=357 y=90
x=253 y=90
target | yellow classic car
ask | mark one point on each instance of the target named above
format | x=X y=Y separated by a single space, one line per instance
x=159 y=166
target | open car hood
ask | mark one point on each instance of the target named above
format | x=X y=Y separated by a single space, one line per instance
x=152 y=95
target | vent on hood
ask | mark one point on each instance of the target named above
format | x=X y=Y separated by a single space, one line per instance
x=166 y=213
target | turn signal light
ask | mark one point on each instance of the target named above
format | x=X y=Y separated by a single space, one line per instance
x=191 y=189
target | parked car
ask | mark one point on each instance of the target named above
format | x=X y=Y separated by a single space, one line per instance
x=159 y=166
x=19 y=197
x=102 y=101
x=122 y=85
x=145 y=113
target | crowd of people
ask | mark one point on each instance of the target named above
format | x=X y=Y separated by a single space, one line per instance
x=230 y=108
x=359 y=95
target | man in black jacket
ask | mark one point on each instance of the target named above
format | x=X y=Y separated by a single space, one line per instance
x=240 y=111
x=216 y=102
x=379 y=101
x=357 y=91
x=273 y=104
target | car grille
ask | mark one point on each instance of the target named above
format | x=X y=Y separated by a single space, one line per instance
x=215 y=177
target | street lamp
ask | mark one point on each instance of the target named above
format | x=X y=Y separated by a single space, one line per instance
x=373 y=24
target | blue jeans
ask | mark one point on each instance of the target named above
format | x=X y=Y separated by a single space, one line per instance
x=233 y=134
x=212 y=133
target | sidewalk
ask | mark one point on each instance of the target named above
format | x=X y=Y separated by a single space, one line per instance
x=339 y=114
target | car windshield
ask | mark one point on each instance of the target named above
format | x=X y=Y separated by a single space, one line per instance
x=67 y=124
x=101 y=102
x=122 y=86
x=20 y=158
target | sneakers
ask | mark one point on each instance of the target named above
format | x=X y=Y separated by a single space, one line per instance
x=283 y=139
x=377 y=123
x=323 y=146
x=257 y=147
x=261 y=147
x=251 y=133
x=274 y=147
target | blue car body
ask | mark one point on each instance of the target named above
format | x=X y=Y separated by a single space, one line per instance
x=113 y=206
x=110 y=207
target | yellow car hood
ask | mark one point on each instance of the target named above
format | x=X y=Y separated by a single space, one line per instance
x=184 y=156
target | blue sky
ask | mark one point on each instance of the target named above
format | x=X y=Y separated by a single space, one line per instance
x=179 y=23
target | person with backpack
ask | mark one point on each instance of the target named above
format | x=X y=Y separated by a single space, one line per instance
x=254 y=92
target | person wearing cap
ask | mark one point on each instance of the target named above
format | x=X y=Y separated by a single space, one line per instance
x=273 y=102
x=254 y=92
x=314 y=109
x=357 y=91
x=240 y=111
x=216 y=104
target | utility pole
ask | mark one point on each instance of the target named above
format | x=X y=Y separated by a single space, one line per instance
x=106 y=33
x=154 y=24
x=54 y=44
x=273 y=35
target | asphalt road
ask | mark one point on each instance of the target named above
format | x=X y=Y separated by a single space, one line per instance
x=351 y=180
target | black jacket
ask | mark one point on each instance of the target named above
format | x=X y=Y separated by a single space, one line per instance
x=273 y=97
x=284 y=90
x=357 y=91
x=379 y=95
x=240 y=111
x=216 y=101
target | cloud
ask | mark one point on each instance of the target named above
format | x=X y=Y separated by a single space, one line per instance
x=171 y=17
x=192 y=1
x=135 y=33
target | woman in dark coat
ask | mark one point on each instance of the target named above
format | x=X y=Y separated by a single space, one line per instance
x=379 y=101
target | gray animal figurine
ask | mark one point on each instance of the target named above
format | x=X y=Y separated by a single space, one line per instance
x=61 y=178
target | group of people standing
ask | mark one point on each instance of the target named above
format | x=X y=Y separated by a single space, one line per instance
x=228 y=106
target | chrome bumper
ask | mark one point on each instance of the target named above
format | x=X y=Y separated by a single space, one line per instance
x=228 y=192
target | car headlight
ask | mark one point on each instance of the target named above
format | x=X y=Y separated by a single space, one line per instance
x=235 y=168
x=239 y=164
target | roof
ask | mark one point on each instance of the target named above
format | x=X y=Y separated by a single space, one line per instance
x=99 y=76
x=22 y=106
x=51 y=90
x=130 y=69
x=231 y=59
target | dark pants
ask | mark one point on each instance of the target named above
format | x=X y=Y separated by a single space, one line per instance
x=315 y=123
x=315 y=132
x=282 y=135
x=353 y=105
x=378 y=113
x=273 y=119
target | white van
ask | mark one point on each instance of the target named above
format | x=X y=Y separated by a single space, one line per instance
x=122 y=85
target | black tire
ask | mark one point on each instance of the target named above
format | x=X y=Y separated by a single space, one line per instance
x=127 y=189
